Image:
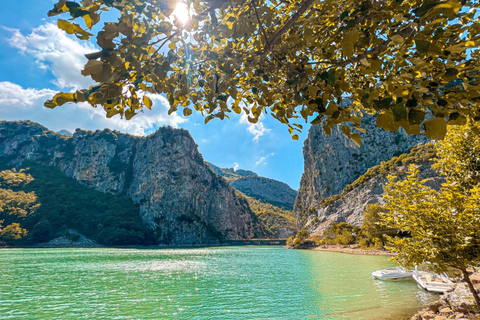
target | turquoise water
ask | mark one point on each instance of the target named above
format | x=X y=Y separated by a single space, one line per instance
x=208 y=283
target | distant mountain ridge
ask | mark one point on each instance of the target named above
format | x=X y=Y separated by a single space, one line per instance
x=251 y=184
x=271 y=200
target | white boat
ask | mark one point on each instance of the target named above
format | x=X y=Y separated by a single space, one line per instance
x=433 y=282
x=394 y=273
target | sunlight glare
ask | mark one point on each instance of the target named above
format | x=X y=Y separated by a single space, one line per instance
x=181 y=12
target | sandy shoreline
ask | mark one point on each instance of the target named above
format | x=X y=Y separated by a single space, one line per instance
x=354 y=250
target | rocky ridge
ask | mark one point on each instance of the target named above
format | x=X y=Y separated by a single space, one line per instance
x=260 y=188
x=333 y=162
x=164 y=173
x=270 y=200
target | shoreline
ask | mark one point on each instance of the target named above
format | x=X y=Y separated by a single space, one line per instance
x=353 y=249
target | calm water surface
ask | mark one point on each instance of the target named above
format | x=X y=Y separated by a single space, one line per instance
x=208 y=283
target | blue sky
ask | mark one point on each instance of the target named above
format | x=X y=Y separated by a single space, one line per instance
x=37 y=59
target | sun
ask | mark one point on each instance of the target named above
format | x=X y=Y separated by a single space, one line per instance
x=181 y=12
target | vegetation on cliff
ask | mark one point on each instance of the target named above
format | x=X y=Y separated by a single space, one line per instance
x=277 y=221
x=15 y=205
x=419 y=154
x=62 y=203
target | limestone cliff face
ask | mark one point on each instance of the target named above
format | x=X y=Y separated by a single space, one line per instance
x=350 y=204
x=331 y=162
x=164 y=173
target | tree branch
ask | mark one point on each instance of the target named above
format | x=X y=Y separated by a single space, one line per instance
x=260 y=23
x=271 y=43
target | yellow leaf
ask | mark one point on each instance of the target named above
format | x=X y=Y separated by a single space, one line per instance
x=66 y=26
x=62 y=98
x=172 y=46
x=357 y=139
x=147 y=102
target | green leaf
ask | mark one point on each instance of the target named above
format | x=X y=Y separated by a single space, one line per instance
x=435 y=128
x=387 y=122
x=422 y=46
x=399 y=112
x=348 y=43
x=92 y=67
x=187 y=112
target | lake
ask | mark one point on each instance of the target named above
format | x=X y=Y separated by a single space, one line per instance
x=247 y=282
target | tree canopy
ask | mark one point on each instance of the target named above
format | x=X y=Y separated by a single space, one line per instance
x=411 y=62
x=15 y=205
x=443 y=224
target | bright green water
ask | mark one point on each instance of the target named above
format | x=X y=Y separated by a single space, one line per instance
x=207 y=283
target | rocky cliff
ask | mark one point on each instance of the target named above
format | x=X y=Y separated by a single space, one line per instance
x=350 y=204
x=332 y=162
x=164 y=173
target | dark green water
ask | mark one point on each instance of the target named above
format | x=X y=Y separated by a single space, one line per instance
x=208 y=283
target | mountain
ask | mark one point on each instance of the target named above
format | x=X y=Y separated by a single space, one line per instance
x=65 y=132
x=267 y=190
x=164 y=174
x=271 y=200
x=332 y=163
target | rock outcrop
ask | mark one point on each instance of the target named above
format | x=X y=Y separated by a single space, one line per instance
x=455 y=304
x=164 y=173
x=332 y=162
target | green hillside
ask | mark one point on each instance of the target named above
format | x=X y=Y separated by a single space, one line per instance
x=66 y=204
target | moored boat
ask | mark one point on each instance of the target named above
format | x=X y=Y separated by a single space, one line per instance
x=433 y=282
x=394 y=273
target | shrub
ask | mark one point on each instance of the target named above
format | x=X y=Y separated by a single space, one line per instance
x=303 y=234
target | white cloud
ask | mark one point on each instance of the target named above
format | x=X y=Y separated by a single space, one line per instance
x=53 y=49
x=17 y=103
x=64 y=56
x=257 y=129
x=261 y=161
x=236 y=166
x=13 y=95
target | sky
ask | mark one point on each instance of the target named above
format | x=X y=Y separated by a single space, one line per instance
x=37 y=60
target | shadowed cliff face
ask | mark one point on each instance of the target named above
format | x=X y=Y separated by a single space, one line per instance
x=331 y=162
x=164 y=173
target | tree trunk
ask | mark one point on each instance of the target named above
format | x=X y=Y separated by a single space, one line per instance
x=466 y=277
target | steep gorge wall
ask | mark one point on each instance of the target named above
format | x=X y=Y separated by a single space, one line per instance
x=164 y=173
x=331 y=162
